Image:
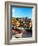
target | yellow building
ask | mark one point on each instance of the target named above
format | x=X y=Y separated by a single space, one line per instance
x=30 y=24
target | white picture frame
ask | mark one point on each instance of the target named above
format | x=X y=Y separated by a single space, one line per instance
x=8 y=24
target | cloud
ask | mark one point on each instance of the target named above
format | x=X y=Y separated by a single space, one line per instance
x=13 y=12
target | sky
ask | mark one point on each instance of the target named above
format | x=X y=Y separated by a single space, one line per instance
x=21 y=12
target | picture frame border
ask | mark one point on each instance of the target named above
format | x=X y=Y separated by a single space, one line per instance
x=7 y=22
